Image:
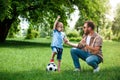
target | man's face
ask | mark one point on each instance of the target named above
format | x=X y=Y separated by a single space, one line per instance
x=86 y=29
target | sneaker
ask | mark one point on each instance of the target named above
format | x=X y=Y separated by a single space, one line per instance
x=52 y=61
x=96 y=70
x=77 y=70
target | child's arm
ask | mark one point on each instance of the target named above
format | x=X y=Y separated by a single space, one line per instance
x=66 y=41
x=72 y=44
x=56 y=22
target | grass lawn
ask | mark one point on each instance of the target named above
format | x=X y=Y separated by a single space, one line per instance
x=27 y=60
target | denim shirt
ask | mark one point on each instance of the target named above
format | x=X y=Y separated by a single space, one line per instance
x=57 y=40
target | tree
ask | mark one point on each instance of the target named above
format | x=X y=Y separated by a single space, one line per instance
x=116 y=23
x=94 y=10
x=45 y=11
x=36 y=11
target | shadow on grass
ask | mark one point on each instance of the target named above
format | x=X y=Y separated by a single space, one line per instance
x=106 y=74
x=25 y=44
x=15 y=44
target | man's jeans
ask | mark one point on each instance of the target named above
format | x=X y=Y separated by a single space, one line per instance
x=92 y=60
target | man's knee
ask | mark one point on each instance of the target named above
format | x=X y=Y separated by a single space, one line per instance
x=89 y=60
x=92 y=59
x=72 y=51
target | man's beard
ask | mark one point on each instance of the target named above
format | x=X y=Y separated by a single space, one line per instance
x=87 y=32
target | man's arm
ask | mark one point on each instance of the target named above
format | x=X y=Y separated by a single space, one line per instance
x=56 y=22
x=79 y=45
x=71 y=44
x=93 y=49
x=98 y=44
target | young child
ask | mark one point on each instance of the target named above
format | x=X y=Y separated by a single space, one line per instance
x=57 y=41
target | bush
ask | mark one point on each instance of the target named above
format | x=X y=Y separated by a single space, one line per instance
x=43 y=34
x=116 y=39
x=73 y=33
x=32 y=34
x=29 y=36
x=75 y=39
x=48 y=37
x=11 y=35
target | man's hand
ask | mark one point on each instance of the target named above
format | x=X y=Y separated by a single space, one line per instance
x=83 y=42
x=87 y=46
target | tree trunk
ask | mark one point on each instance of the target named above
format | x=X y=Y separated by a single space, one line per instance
x=4 y=28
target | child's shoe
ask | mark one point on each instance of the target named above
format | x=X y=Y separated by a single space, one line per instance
x=52 y=61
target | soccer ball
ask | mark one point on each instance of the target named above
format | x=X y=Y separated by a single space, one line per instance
x=51 y=67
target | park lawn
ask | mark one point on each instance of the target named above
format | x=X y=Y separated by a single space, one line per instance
x=27 y=60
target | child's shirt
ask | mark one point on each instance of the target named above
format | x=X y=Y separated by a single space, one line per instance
x=57 y=40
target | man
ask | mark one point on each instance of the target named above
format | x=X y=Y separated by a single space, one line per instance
x=88 y=49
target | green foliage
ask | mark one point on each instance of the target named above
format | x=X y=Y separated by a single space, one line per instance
x=48 y=37
x=106 y=31
x=45 y=30
x=14 y=29
x=11 y=35
x=43 y=34
x=35 y=11
x=75 y=39
x=72 y=33
x=116 y=23
x=43 y=13
x=5 y=7
x=32 y=34
x=116 y=39
x=94 y=10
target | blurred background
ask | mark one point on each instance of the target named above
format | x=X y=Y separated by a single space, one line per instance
x=29 y=19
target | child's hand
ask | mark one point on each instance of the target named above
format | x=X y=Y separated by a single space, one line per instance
x=66 y=40
x=58 y=16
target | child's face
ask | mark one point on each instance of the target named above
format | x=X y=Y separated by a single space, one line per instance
x=60 y=26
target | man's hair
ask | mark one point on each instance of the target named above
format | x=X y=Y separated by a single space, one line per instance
x=90 y=24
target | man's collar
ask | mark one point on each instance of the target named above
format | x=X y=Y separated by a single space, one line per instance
x=94 y=34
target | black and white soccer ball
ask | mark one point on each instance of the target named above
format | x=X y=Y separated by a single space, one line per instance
x=51 y=67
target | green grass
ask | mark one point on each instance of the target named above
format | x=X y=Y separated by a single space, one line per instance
x=27 y=60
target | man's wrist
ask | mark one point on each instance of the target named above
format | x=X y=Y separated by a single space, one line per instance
x=84 y=44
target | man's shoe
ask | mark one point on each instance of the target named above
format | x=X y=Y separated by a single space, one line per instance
x=77 y=70
x=96 y=70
